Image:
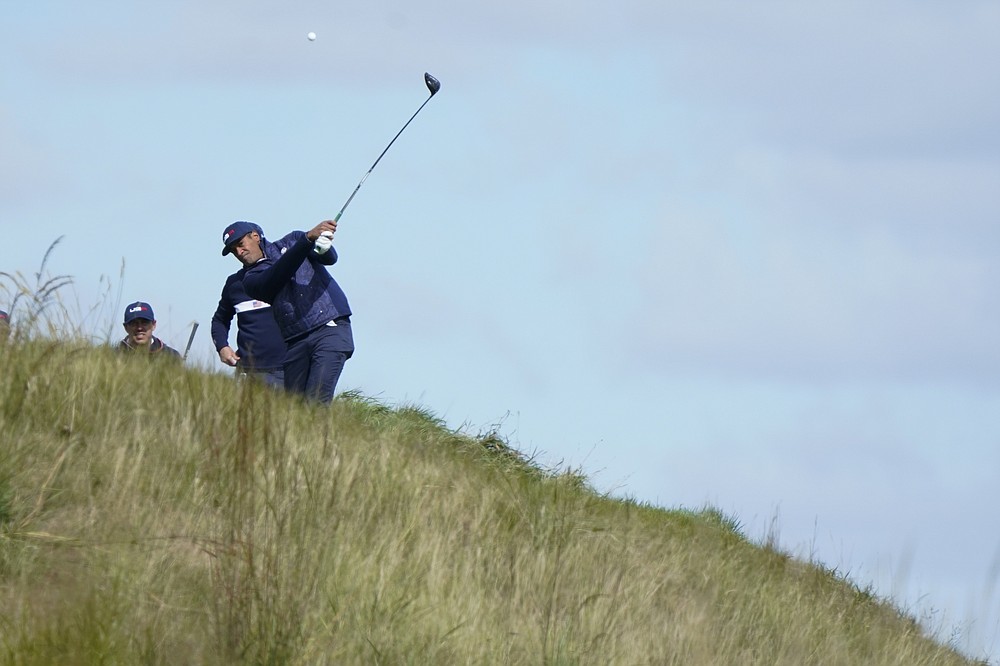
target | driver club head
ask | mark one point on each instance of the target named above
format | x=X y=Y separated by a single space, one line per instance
x=432 y=84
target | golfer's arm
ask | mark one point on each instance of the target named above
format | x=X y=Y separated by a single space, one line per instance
x=328 y=258
x=265 y=283
x=222 y=320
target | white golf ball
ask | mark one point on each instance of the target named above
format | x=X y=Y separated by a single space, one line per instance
x=311 y=36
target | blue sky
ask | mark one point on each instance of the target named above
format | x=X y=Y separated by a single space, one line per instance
x=731 y=253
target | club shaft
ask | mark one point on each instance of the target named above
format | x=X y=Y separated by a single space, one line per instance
x=194 y=329
x=368 y=173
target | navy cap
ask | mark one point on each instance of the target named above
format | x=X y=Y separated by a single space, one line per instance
x=233 y=233
x=139 y=310
x=3 y=315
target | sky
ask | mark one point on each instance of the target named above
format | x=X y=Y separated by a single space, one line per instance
x=717 y=253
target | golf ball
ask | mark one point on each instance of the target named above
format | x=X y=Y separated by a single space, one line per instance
x=311 y=36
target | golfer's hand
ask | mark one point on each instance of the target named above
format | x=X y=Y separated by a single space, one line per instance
x=323 y=243
x=327 y=225
x=228 y=356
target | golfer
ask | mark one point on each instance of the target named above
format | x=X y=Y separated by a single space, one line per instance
x=260 y=347
x=307 y=303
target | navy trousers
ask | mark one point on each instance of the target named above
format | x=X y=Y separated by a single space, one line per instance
x=273 y=378
x=315 y=360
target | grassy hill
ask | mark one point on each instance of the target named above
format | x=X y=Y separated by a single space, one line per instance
x=151 y=514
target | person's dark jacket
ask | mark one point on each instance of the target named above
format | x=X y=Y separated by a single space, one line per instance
x=157 y=349
x=294 y=280
x=259 y=342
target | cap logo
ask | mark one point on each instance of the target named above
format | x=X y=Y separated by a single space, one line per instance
x=226 y=236
x=137 y=308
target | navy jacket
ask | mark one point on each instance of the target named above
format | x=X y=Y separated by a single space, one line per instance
x=157 y=349
x=259 y=342
x=294 y=280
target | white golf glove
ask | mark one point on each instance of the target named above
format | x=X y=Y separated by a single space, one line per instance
x=323 y=243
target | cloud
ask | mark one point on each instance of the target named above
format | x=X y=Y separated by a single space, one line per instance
x=28 y=166
x=786 y=299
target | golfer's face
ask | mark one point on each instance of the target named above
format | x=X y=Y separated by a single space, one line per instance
x=140 y=331
x=247 y=249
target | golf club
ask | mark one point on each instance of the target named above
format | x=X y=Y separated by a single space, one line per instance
x=433 y=85
x=194 y=329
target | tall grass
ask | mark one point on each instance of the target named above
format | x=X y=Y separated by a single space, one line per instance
x=153 y=514
x=41 y=304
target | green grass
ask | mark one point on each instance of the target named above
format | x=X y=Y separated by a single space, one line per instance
x=151 y=514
